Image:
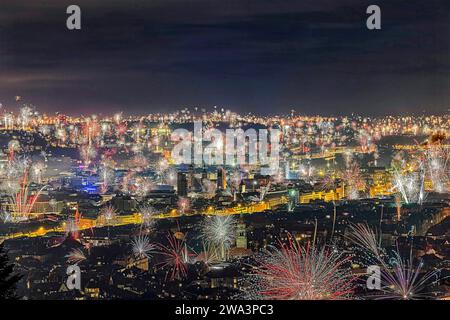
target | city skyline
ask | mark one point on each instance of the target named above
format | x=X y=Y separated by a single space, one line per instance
x=212 y=157
x=254 y=56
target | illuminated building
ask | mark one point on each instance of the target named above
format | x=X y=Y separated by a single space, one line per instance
x=221 y=179
x=241 y=235
x=322 y=195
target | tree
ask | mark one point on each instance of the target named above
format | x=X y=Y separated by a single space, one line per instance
x=8 y=279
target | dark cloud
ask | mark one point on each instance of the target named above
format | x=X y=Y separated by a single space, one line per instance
x=255 y=55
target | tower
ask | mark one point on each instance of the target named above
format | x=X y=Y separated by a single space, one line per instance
x=182 y=184
x=242 y=187
x=221 y=179
x=191 y=177
x=241 y=235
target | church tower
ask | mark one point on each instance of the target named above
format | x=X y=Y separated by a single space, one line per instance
x=241 y=234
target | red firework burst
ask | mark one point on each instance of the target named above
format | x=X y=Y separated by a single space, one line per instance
x=294 y=272
x=175 y=256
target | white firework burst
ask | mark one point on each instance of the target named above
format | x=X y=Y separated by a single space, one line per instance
x=438 y=167
x=108 y=213
x=209 y=187
x=219 y=231
x=364 y=237
x=142 y=247
x=76 y=256
x=209 y=255
x=410 y=185
x=143 y=186
x=6 y=217
x=148 y=214
x=106 y=175
x=70 y=226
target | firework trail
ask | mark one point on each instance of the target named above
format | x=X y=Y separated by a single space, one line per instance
x=306 y=171
x=127 y=181
x=148 y=214
x=219 y=231
x=37 y=170
x=162 y=166
x=328 y=183
x=410 y=185
x=76 y=256
x=70 y=226
x=170 y=177
x=405 y=281
x=294 y=272
x=176 y=256
x=106 y=176
x=183 y=205
x=209 y=187
x=143 y=186
x=18 y=179
x=87 y=153
x=108 y=213
x=53 y=205
x=210 y=254
x=400 y=279
x=25 y=116
x=6 y=217
x=352 y=179
x=142 y=247
x=364 y=237
x=438 y=166
x=235 y=180
x=13 y=146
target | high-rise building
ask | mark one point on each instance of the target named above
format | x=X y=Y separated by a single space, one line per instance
x=221 y=179
x=242 y=187
x=182 y=184
x=190 y=177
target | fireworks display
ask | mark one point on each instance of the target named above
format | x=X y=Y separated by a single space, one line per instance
x=183 y=205
x=175 y=257
x=438 y=166
x=293 y=272
x=219 y=231
x=76 y=256
x=124 y=176
x=142 y=247
x=410 y=185
x=148 y=214
x=406 y=281
x=400 y=279
x=19 y=176
x=352 y=179
x=210 y=254
x=363 y=236
x=212 y=150
x=108 y=213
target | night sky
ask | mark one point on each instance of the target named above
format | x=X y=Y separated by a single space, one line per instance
x=264 y=56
